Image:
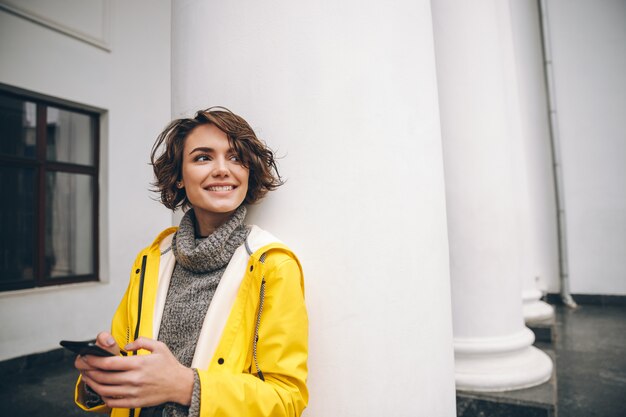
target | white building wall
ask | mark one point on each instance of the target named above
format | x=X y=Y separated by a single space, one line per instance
x=589 y=60
x=347 y=93
x=132 y=82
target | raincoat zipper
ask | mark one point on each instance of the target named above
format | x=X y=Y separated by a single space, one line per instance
x=141 y=281
x=258 y=321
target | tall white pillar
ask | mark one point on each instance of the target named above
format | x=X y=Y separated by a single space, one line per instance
x=346 y=92
x=493 y=348
x=531 y=107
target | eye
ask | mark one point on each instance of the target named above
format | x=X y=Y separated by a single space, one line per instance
x=234 y=158
x=202 y=158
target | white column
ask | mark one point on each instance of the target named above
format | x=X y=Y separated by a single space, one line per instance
x=529 y=110
x=493 y=348
x=346 y=92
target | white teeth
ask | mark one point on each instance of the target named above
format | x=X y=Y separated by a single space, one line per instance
x=221 y=188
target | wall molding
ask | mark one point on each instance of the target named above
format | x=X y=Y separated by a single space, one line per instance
x=100 y=40
x=589 y=299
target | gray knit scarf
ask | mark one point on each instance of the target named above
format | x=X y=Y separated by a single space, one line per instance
x=200 y=264
x=213 y=252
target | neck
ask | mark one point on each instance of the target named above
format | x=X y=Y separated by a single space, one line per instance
x=207 y=222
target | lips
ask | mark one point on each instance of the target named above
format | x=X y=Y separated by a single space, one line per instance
x=220 y=188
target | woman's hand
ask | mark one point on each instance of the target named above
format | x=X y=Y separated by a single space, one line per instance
x=139 y=381
x=106 y=342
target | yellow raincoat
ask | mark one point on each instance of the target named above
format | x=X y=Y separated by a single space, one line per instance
x=234 y=380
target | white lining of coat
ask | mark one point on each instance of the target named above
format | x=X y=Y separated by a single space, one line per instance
x=166 y=268
x=223 y=299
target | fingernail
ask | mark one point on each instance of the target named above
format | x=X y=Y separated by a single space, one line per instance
x=110 y=341
x=127 y=346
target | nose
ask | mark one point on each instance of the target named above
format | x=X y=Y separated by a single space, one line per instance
x=220 y=168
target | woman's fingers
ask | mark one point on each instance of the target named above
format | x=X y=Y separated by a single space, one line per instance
x=138 y=380
x=107 y=342
x=80 y=363
x=124 y=396
x=124 y=402
x=114 y=378
x=111 y=363
x=151 y=345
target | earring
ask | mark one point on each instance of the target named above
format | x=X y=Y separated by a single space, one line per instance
x=179 y=184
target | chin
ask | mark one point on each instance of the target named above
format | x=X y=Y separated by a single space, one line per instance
x=219 y=210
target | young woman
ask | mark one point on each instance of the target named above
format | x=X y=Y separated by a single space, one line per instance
x=213 y=322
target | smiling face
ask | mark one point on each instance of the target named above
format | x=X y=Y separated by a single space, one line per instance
x=214 y=179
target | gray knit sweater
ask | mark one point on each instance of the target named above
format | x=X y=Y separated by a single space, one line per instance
x=200 y=263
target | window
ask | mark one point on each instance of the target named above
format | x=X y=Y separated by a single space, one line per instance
x=48 y=191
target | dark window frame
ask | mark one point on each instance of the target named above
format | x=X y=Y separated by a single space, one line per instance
x=42 y=167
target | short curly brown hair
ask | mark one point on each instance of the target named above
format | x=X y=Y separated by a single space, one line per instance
x=253 y=154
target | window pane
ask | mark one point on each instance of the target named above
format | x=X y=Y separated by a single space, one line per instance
x=18 y=120
x=69 y=224
x=70 y=137
x=17 y=222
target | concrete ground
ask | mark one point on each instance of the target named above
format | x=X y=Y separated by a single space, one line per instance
x=45 y=389
x=590 y=351
x=591 y=361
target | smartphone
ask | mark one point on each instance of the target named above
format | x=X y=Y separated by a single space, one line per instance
x=87 y=347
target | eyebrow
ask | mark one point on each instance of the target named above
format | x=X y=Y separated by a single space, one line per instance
x=209 y=150
x=202 y=149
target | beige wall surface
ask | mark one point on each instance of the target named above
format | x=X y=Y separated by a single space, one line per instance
x=589 y=60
